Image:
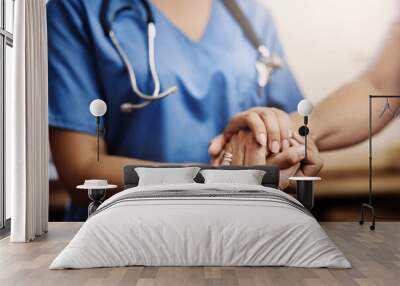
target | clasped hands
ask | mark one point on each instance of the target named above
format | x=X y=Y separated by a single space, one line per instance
x=261 y=136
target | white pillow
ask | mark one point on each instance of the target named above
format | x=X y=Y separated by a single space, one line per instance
x=163 y=176
x=247 y=177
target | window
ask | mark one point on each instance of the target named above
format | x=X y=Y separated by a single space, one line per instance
x=6 y=43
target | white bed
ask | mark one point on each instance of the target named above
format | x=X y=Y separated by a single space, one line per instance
x=201 y=224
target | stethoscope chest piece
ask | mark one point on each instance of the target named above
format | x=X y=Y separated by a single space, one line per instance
x=265 y=65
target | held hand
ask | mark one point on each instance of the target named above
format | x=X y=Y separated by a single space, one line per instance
x=293 y=163
x=290 y=160
x=269 y=126
x=245 y=150
x=311 y=166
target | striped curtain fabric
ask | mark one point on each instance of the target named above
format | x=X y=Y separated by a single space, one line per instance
x=27 y=124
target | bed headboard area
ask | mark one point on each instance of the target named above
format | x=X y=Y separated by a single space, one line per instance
x=270 y=179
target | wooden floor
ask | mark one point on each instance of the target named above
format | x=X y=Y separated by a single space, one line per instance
x=375 y=257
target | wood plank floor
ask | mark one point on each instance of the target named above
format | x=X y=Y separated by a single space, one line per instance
x=375 y=257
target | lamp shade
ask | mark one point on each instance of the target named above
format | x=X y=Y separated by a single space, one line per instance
x=98 y=107
x=305 y=107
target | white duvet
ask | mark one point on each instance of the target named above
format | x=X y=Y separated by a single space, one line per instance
x=206 y=230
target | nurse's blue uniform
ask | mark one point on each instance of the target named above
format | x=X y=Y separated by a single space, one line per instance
x=216 y=77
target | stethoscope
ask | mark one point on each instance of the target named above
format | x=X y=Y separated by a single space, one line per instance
x=265 y=64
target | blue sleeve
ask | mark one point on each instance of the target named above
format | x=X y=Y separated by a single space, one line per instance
x=73 y=81
x=282 y=90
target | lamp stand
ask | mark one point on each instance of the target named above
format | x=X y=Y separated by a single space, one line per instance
x=96 y=196
x=305 y=190
x=98 y=137
x=99 y=132
x=303 y=131
x=305 y=137
x=305 y=185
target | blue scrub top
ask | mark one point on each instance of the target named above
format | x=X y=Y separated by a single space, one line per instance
x=216 y=77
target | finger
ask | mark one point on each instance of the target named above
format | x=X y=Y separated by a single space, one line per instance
x=273 y=134
x=310 y=142
x=298 y=138
x=228 y=149
x=250 y=120
x=313 y=164
x=285 y=174
x=216 y=145
x=288 y=158
x=293 y=142
x=285 y=144
x=217 y=161
x=254 y=153
x=238 y=146
x=312 y=170
x=228 y=146
x=284 y=125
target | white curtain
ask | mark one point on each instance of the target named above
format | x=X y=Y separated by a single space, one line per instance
x=27 y=124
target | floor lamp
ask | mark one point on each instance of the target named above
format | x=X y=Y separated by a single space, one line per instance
x=305 y=184
x=98 y=108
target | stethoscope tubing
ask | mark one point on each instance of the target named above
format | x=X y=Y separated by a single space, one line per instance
x=151 y=32
x=265 y=65
x=132 y=77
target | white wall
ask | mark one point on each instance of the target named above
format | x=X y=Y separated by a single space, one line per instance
x=330 y=42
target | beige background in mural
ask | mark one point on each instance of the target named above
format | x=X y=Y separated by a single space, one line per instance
x=328 y=43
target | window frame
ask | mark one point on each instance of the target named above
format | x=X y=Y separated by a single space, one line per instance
x=6 y=39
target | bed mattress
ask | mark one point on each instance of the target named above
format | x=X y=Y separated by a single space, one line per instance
x=201 y=225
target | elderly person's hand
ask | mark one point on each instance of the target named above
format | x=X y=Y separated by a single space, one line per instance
x=270 y=127
x=246 y=151
x=292 y=162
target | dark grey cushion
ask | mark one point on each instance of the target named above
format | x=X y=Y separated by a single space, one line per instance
x=270 y=179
